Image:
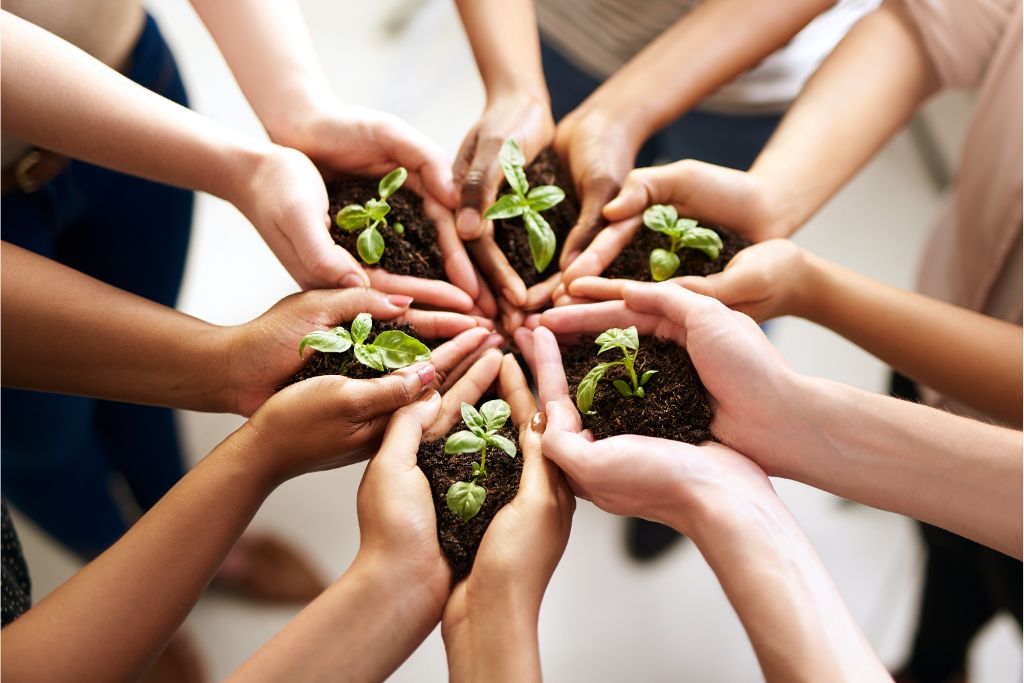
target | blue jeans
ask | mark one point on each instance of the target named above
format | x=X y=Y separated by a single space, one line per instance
x=722 y=139
x=63 y=454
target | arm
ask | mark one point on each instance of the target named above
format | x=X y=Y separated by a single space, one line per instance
x=978 y=362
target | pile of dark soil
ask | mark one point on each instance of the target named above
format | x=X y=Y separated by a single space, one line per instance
x=345 y=363
x=634 y=262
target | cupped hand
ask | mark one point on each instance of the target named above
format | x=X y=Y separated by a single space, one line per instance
x=756 y=395
x=259 y=356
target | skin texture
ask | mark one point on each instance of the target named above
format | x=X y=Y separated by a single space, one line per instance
x=857 y=445
x=978 y=363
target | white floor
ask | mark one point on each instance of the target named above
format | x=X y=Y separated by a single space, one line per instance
x=604 y=618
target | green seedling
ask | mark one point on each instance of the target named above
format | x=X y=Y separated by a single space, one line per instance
x=526 y=203
x=367 y=217
x=465 y=498
x=629 y=344
x=390 y=349
x=683 y=233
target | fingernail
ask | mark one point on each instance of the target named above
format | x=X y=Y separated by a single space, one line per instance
x=573 y=255
x=426 y=373
x=352 y=280
x=539 y=422
x=431 y=396
x=400 y=300
x=468 y=221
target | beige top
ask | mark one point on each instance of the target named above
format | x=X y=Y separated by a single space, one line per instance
x=973 y=258
x=599 y=36
x=106 y=29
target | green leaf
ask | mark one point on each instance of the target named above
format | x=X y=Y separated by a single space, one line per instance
x=626 y=338
x=585 y=391
x=623 y=388
x=473 y=419
x=507 y=206
x=478 y=471
x=684 y=224
x=639 y=393
x=352 y=217
x=704 y=240
x=328 y=341
x=465 y=498
x=646 y=376
x=370 y=245
x=544 y=197
x=498 y=441
x=512 y=159
x=661 y=217
x=369 y=356
x=377 y=209
x=664 y=264
x=541 y=239
x=397 y=349
x=361 y=327
x=495 y=414
x=464 y=442
x=390 y=183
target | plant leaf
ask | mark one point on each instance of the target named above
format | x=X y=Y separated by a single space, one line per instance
x=661 y=217
x=512 y=159
x=622 y=387
x=390 y=183
x=626 y=338
x=377 y=209
x=544 y=197
x=473 y=419
x=498 y=441
x=361 y=327
x=328 y=341
x=639 y=393
x=646 y=376
x=465 y=498
x=370 y=245
x=664 y=264
x=397 y=349
x=684 y=224
x=398 y=228
x=495 y=414
x=463 y=442
x=588 y=385
x=369 y=356
x=352 y=217
x=507 y=206
x=703 y=239
x=541 y=238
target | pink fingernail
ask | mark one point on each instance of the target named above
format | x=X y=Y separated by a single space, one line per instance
x=400 y=300
x=426 y=374
x=572 y=257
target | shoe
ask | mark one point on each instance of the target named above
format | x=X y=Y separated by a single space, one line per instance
x=178 y=663
x=264 y=568
x=646 y=541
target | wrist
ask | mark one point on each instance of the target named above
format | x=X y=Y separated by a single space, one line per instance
x=241 y=456
x=420 y=587
x=531 y=95
x=813 y=290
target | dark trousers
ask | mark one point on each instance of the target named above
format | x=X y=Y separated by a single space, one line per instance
x=62 y=455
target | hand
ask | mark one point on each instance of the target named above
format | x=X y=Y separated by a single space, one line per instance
x=740 y=201
x=261 y=355
x=763 y=281
x=756 y=395
x=599 y=152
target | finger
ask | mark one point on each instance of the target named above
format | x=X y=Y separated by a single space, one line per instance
x=540 y=294
x=428 y=292
x=595 y=195
x=667 y=300
x=474 y=384
x=562 y=443
x=457 y=265
x=591 y=318
x=402 y=438
x=497 y=270
x=643 y=187
x=523 y=338
x=516 y=392
x=494 y=341
x=531 y=322
x=438 y=324
x=485 y=301
x=559 y=291
x=331 y=307
x=467 y=150
x=548 y=371
x=597 y=288
x=479 y=187
x=325 y=263
x=447 y=357
x=574 y=301
x=605 y=248
x=384 y=395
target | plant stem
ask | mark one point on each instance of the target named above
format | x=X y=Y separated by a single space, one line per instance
x=632 y=373
x=483 y=461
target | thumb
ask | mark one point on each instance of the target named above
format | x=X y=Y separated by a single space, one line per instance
x=326 y=264
x=643 y=187
x=595 y=194
x=389 y=393
x=665 y=299
x=402 y=438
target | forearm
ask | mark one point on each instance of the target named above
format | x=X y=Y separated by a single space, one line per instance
x=792 y=612
x=977 y=363
x=705 y=49
x=956 y=473
x=506 y=45
x=495 y=639
x=863 y=93
x=60 y=98
x=360 y=629
x=126 y=348
x=119 y=611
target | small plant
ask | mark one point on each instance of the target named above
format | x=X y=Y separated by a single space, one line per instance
x=367 y=217
x=683 y=233
x=526 y=203
x=465 y=498
x=390 y=349
x=626 y=341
